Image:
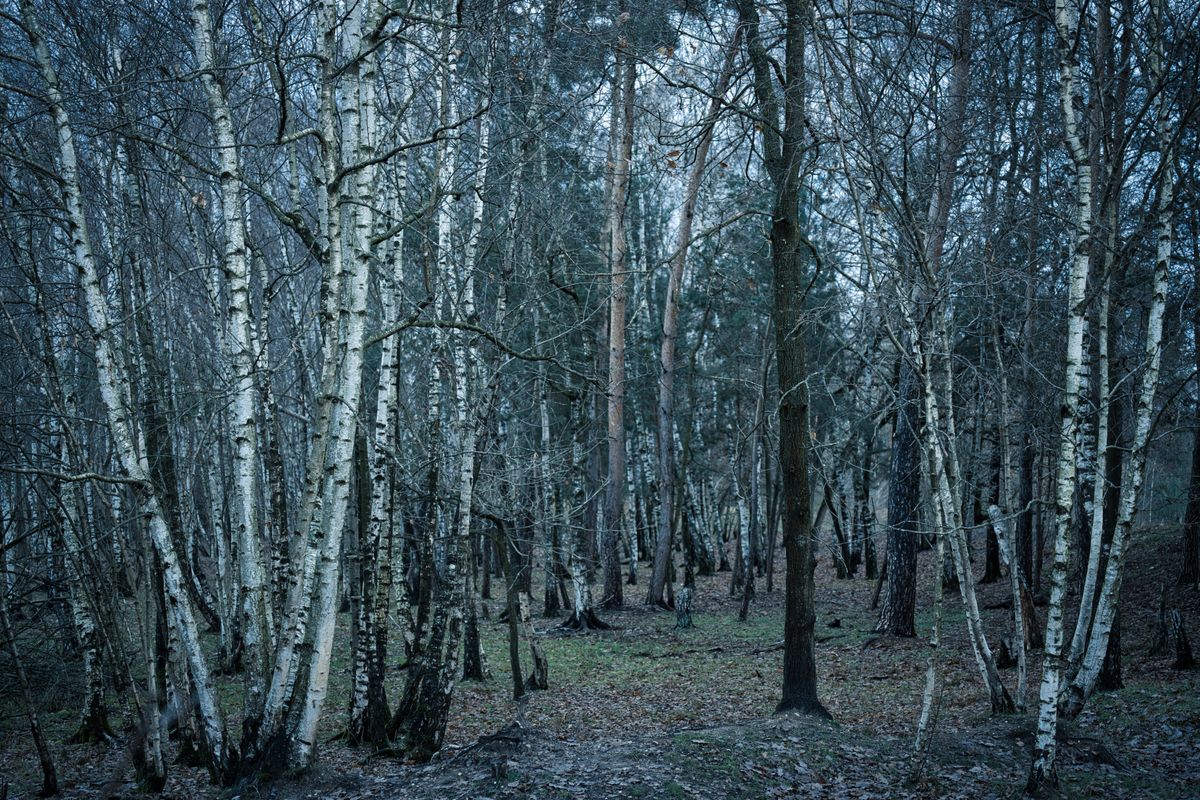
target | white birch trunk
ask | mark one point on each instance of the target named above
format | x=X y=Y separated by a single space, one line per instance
x=1043 y=770
x=1083 y=621
x=113 y=376
x=311 y=534
x=1006 y=537
x=1093 y=658
x=254 y=607
x=359 y=113
x=944 y=480
x=381 y=522
x=466 y=359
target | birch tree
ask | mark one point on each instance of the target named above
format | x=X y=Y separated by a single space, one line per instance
x=1043 y=770
x=255 y=610
x=113 y=376
x=666 y=361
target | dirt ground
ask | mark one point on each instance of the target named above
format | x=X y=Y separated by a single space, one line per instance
x=645 y=710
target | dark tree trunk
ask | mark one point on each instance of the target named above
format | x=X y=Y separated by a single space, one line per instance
x=1189 y=573
x=1046 y=475
x=473 y=664
x=866 y=514
x=845 y=560
x=792 y=256
x=991 y=564
x=553 y=589
x=522 y=554
x=278 y=535
x=771 y=477
x=689 y=554
x=1110 y=671
x=369 y=663
x=484 y=547
x=511 y=610
x=1180 y=647
x=1025 y=513
x=897 y=615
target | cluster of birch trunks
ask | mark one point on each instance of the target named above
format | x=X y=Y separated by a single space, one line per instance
x=351 y=307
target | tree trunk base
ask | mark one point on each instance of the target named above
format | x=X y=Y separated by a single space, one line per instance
x=538 y=679
x=747 y=596
x=370 y=727
x=1041 y=781
x=1002 y=702
x=585 y=621
x=1004 y=654
x=550 y=606
x=1109 y=679
x=93 y=728
x=419 y=723
x=806 y=706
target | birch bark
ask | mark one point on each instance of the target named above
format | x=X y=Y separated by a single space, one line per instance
x=368 y=710
x=255 y=610
x=1084 y=682
x=113 y=378
x=1043 y=769
x=359 y=112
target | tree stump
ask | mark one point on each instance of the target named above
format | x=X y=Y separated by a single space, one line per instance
x=1004 y=654
x=683 y=609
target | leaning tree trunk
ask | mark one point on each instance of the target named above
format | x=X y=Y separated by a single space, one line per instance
x=666 y=359
x=947 y=510
x=113 y=378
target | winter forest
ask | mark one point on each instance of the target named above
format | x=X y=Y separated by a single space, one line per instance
x=599 y=398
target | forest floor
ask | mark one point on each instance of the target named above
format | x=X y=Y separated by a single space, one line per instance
x=646 y=710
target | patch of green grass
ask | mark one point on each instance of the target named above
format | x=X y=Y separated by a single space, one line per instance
x=673 y=789
x=1092 y=781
